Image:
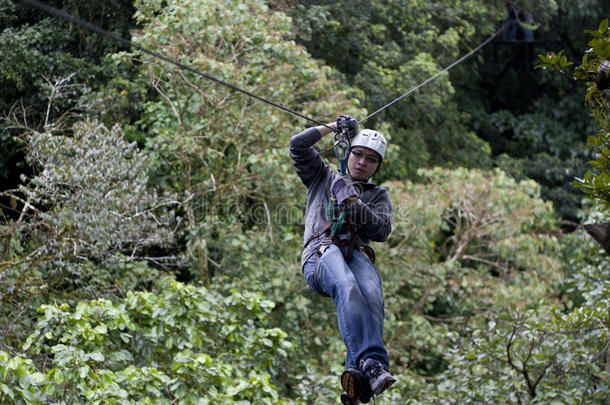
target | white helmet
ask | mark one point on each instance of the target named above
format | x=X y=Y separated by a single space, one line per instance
x=370 y=139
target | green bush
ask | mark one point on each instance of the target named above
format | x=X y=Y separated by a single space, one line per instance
x=177 y=344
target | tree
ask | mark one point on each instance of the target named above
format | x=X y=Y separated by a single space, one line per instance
x=515 y=109
x=37 y=50
x=201 y=180
x=595 y=72
x=176 y=344
x=490 y=110
x=552 y=352
x=87 y=204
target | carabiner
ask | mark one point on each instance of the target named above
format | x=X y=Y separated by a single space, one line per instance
x=341 y=148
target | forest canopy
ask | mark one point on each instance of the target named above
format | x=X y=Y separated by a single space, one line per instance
x=151 y=220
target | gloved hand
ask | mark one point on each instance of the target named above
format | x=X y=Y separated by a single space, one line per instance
x=348 y=122
x=343 y=188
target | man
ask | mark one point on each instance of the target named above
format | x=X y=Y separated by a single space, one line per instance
x=342 y=266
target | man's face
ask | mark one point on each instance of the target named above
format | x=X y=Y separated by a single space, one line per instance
x=362 y=162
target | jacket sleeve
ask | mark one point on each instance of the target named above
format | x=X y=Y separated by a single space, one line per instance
x=373 y=220
x=307 y=161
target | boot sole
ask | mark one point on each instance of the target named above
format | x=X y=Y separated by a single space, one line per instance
x=349 y=383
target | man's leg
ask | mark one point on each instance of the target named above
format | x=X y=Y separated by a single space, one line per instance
x=360 y=325
x=369 y=283
x=357 y=293
x=374 y=363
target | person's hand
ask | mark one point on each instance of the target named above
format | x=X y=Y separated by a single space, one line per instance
x=349 y=123
x=342 y=188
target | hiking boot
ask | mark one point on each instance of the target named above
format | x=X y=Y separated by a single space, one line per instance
x=356 y=387
x=378 y=377
x=346 y=400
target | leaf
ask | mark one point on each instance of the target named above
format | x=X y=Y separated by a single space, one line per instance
x=603 y=26
x=7 y=390
x=83 y=371
x=95 y=356
x=36 y=378
x=58 y=376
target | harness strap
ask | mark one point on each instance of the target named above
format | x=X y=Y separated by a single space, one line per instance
x=319 y=232
x=353 y=240
x=315 y=269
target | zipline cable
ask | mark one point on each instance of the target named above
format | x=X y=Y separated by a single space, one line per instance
x=58 y=13
x=460 y=60
x=61 y=14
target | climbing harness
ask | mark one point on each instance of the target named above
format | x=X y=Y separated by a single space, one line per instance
x=60 y=14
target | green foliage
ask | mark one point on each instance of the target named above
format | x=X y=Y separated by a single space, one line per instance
x=19 y=380
x=470 y=216
x=553 y=174
x=516 y=109
x=532 y=358
x=271 y=264
x=595 y=71
x=29 y=56
x=439 y=279
x=502 y=293
x=550 y=353
x=35 y=45
x=86 y=213
x=91 y=196
x=545 y=145
x=597 y=181
x=37 y=50
x=466 y=245
x=475 y=266
x=179 y=344
x=386 y=49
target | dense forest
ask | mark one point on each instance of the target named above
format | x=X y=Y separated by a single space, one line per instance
x=151 y=222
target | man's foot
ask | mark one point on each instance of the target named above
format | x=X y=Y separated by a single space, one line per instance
x=356 y=387
x=346 y=400
x=378 y=377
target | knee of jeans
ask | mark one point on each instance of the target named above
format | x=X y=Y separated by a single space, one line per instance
x=373 y=291
x=352 y=294
x=374 y=298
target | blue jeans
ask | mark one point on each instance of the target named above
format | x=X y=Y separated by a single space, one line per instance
x=355 y=287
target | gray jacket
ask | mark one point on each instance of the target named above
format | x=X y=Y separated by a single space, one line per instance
x=373 y=216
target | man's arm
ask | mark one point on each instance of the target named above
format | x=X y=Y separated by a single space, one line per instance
x=373 y=220
x=307 y=161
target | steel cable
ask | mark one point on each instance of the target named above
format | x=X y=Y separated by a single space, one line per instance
x=460 y=60
x=61 y=14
